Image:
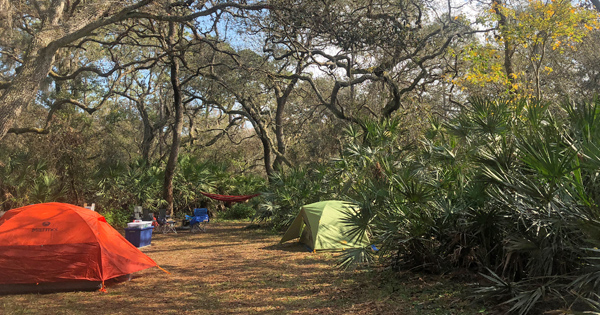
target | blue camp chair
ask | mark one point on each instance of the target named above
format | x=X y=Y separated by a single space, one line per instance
x=199 y=220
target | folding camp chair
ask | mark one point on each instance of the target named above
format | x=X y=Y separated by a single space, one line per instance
x=165 y=224
x=199 y=220
x=137 y=212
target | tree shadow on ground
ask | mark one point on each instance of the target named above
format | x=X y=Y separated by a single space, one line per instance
x=289 y=247
x=230 y=271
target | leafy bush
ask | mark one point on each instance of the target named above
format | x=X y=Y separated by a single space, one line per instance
x=507 y=188
x=117 y=217
x=137 y=184
x=195 y=176
x=290 y=190
x=238 y=211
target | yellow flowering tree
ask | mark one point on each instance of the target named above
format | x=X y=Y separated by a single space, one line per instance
x=526 y=32
x=485 y=69
x=541 y=25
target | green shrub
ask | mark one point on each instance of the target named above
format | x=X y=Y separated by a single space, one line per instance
x=507 y=188
x=290 y=190
x=239 y=211
x=117 y=217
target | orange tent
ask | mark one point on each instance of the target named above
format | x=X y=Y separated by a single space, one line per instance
x=63 y=243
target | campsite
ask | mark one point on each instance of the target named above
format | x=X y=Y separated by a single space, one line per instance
x=232 y=270
x=300 y=157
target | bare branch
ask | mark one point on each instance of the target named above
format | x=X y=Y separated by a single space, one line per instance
x=130 y=12
x=145 y=64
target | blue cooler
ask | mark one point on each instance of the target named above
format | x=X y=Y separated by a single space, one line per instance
x=139 y=237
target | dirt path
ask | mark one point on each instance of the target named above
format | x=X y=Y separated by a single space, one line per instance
x=229 y=270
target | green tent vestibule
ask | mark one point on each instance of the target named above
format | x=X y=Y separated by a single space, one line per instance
x=321 y=226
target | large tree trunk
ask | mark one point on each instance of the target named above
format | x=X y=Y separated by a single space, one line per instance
x=282 y=97
x=23 y=89
x=277 y=164
x=266 y=153
x=147 y=143
x=37 y=64
x=149 y=134
x=177 y=125
x=508 y=44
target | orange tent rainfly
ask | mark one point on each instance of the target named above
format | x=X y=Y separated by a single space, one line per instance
x=57 y=246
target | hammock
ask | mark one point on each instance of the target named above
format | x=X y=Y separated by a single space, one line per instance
x=229 y=198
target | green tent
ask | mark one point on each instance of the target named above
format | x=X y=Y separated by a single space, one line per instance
x=320 y=226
